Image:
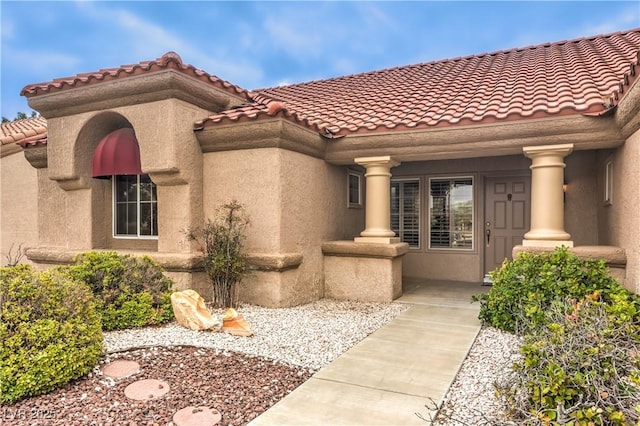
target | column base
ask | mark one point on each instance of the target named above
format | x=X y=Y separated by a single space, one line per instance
x=546 y=243
x=378 y=240
x=364 y=272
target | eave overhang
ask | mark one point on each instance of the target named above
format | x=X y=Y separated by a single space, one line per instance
x=272 y=132
x=486 y=140
x=627 y=114
x=451 y=142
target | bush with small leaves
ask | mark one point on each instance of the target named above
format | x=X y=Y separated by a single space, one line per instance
x=583 y=369
x=222 y=243
x=130 y=291
x=50 y=331
x=523 y=289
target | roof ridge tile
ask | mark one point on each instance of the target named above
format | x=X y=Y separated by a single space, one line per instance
x=169 y=60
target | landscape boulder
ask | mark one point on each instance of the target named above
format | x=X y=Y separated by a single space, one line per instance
x=234 y=324
x=191 y=312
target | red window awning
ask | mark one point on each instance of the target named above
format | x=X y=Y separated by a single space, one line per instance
x=117 y=153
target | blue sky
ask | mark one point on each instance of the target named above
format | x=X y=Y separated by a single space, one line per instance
x=263 y=44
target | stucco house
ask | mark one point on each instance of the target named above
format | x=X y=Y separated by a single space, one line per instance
x=437 y=170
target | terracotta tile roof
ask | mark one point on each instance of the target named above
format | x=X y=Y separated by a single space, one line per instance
x=28 y=130
x=169 y=60
x=581 y=76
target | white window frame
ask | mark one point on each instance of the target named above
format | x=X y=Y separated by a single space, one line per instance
x=350 y=203
x=608 y=183
x=419 y=181
x=114 y=215
x=473 y=214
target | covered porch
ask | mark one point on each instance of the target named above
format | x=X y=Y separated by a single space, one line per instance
x=453 y=213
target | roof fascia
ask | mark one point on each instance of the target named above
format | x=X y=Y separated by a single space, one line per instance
x=487 y=140
x=144 y=88
x=627 y=115
x=8 y=149
x=275 y=132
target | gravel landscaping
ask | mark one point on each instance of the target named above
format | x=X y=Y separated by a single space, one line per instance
x=243 y=376
x=471 y=398
x=239 y=376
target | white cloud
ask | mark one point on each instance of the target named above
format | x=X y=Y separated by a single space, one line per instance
x=7 y=30
x=44 y=62
x=292 y=36
x=375 y=18
x=627 y=19
x=344 y=66
x=146 y=41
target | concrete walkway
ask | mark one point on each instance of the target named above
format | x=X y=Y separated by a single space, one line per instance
x=393 y=373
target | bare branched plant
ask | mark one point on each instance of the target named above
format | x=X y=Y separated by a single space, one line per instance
x=438 y=415
x=14 y=257
x=221 y=241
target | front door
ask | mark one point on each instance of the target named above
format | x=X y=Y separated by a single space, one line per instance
x=507 y=217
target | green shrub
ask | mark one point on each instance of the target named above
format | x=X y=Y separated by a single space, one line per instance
x=524 y=288
x=130 y=291
x=49 y=329
x=583 y=369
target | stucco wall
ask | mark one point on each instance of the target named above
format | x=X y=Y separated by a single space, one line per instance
x=619 y=222
x=169 y=152
x=314 y=210
x=295 y=202
x=18 y=203
x=581 y=207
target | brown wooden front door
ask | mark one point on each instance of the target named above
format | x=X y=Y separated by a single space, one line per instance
x=507 y=217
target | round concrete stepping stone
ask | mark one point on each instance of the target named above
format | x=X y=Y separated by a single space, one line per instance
x=146 y=389
x=197 y=416
x=120 y=368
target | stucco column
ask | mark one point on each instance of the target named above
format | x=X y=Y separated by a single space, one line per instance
x=547 y=196
x=378 y=200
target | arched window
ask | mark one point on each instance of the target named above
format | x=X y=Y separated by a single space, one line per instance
x=135 y=201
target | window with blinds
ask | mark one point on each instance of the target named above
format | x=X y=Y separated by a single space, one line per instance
x=405 y=211
x=451 y=213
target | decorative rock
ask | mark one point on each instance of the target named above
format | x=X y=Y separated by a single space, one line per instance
x=234 y=324
x=191 y=312
x=197 y=416
x=143 y=390
x=120 y=368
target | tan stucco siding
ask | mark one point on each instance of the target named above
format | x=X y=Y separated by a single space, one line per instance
x=295 y=202
x=53 y=219
x=619 y=222
x=581 y=208
x=252 y=177
x=18 y=204
x=314 y=210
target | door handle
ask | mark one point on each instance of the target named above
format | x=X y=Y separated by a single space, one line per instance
x=488 y=232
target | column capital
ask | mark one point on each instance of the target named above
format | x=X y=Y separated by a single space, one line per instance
x=535 y=151
x=384 y=160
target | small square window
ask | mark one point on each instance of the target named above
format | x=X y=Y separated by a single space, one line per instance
x=608 y=183
x=355 y=189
